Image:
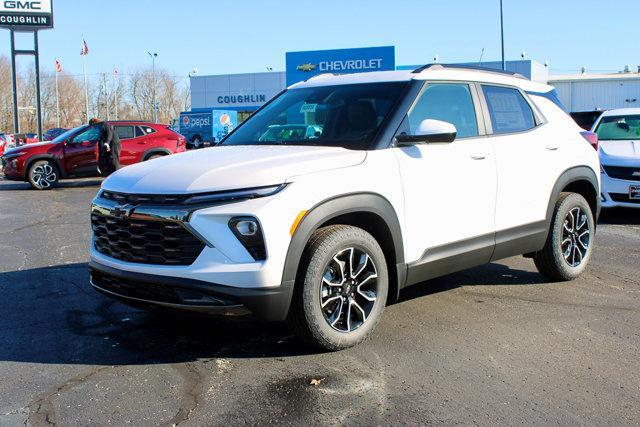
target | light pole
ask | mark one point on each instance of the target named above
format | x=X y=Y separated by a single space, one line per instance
x=502 y=35
x=153 y=56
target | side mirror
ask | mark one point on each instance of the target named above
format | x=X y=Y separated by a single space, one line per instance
x=429 y=131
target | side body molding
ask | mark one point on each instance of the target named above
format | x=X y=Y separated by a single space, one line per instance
x=334 y=207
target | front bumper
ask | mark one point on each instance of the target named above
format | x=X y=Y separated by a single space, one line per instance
x=615 y=193
x=176 y=293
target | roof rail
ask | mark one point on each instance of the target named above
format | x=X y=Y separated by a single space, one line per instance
x=320 y=75
x=467 y=67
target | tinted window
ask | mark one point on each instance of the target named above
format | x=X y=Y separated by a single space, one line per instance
x=91 y=134
x=619 y=128
x=447 y=102
x=508 y=109
x=124 y=132
x=344 y=115
x=139 y=131
x=148 y=129
x=552 y=96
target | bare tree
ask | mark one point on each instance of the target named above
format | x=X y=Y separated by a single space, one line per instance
x=133 y=95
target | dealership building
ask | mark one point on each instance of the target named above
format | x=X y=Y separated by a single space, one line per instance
x=246 y=92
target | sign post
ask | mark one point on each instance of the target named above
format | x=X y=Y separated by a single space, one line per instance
x=26 y=16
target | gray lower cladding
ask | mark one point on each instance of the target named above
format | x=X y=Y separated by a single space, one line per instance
x=464 y=254
x=141 y=289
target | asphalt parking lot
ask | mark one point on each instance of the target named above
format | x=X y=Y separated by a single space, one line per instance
x=496 y=344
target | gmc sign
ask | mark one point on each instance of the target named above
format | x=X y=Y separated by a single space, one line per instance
x=26 y=14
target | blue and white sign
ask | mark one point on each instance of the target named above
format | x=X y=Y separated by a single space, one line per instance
x=302 y=65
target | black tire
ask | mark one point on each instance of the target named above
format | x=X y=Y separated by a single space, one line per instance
x=43 y=175
x=552 y=261
x=327 y=327
x=155 y=156
x=196 y=143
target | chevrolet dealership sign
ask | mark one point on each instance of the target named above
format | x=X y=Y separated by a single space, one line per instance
x=303 y=65
x=26 y=14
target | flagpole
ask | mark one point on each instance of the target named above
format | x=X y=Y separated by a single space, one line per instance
x=115 y=93
x=57 y=101
x=86 y=88
x=106 y=91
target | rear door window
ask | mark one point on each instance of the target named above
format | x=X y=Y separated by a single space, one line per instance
x=124 y=132
x=508 y=109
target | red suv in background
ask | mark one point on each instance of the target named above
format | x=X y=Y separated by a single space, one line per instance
x=74 y=154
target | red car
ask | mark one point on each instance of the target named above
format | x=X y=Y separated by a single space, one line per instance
x=73 y=154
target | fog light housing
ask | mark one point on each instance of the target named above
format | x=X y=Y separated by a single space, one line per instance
x=247 y=230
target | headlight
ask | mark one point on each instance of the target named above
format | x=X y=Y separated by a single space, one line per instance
x=247 y=231
x=224 y=196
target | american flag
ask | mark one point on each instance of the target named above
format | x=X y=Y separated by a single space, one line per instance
x=85 y=48
x=58 y=66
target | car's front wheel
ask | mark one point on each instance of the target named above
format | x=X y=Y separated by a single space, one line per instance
x=342 y=289
x=43 y=175
x=570 y=241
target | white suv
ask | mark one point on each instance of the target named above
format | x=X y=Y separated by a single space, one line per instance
x=410 y=176
x=619 y=147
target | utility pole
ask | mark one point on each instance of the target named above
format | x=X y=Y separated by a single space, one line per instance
x=502 y=35
x=153 y=73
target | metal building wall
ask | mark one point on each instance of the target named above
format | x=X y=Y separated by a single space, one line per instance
x=602 y=94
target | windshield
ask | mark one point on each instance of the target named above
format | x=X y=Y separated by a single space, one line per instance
x=346 y=116
x=619 y=128
x=64 y=136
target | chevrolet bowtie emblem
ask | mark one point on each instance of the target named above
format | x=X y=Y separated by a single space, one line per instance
x=306 y=67
x=122 y=211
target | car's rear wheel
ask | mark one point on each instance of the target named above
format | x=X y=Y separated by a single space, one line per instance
x=570 y=241
x=155 y=156
x=43 y=175
x=342 y=288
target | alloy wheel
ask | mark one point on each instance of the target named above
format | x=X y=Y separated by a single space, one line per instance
x=44 y=175
x=349 y=289
x=575 y=237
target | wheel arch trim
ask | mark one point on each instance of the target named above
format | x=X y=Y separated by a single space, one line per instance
x=334 y=207
x=569 y=176
x=31 y=160
x=150 y=152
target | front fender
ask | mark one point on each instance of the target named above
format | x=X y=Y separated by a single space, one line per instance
x=334 y=207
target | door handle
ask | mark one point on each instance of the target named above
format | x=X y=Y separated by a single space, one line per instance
x=551 y=147
x=478 y=156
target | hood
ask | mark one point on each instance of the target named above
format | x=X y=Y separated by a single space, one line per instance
x=620 y=152
x=227 y=168
x=26 y=147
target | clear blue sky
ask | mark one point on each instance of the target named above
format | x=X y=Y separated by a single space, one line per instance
x=246 y=36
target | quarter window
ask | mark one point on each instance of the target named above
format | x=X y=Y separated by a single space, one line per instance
x=508 y=109
x=124 y=132
x=447 y=102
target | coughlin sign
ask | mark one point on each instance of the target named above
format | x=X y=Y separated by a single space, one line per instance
x=26 y=14
x=302 y=65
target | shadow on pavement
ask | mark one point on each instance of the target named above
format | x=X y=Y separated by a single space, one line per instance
x=621 y=216
x=486 y=275
x=52 y=315
x=6 y=185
